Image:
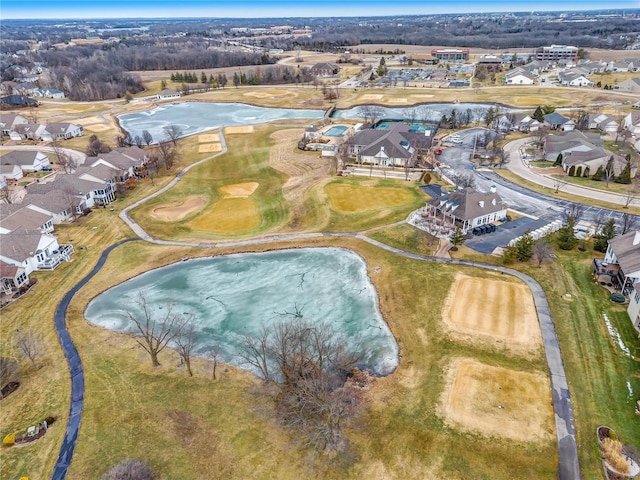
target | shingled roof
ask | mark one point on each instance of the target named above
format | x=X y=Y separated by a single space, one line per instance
x=468 y=204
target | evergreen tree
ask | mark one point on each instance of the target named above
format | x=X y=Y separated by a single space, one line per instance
x=601 y=239
x=572 y=171
x=163 y=84
x=558 y=161
x=236 y=80
x=457 y=238
x=203 y=78
x=524 y=247
x=598 y=176
x=223 y=80
x=538 y=115
x=566 y=237
x=625 y=175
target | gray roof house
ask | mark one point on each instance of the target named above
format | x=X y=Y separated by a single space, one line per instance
x=61 y=131
x=624 y=251
x=631 y=85
x=8 y=121
x=557 y=121
x=27 y=219
x=467 y=209
x=28 y=161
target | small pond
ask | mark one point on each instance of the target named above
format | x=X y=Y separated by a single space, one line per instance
x=236 y=295
x=431 y=112
x=196 y=117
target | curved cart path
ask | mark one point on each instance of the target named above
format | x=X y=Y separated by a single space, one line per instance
x=568 y=466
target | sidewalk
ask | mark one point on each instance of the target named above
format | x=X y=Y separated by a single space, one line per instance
x=520 y=167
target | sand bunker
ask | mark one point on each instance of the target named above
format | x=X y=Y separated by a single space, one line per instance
x=88 y=120
x=239 y=190
x=239 y=129
x=97 y=127
x=372 y=96
x=398 y=100
x=208 y=137
x=209 y=147
x=176 y=211
x=497 y=401
x=267 y=94
x=497 y=310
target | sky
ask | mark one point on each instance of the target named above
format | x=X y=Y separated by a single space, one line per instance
x=27 y=9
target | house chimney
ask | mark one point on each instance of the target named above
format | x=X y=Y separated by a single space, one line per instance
x=493 y=189
x=636 y=238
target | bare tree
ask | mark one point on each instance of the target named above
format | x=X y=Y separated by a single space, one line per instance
x=542 y=250
x=608 y=173
x=633 y=192
x=153 y=331
x=500 y=156
x=539 y=136
x=138 y=141
x=8 y=372
x=462 y=180
x=574 y=212
x=147 y=138
x=174 y=133
x=557 y=185
x=598 y=220
x=370 y=113
x=167 y=153
x=130 y=469
x=316 y=394
x=30 y=345
x=214 y=355
x=5 y=194
x=185 y=341
x=64 y=159
x=627 y=223
x=96 y=147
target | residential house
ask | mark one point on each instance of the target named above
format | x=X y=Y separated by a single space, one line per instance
x=12 y=277
x=26 y=219
x=572 y=78
x=520 y=122
x=84 y=192
x=583 y=152
x=397 y=145
x=167 y=94
x=10 y=173
x=468 y=208
x=8 y=121
x=33 y=250
x=603 y=122
x=634 y=306
x=129 y=162
x=519 y=76
x=27 y=131
x=621 y=262
x=49 y=93
x=105 y=177
x=632 y=123
x=61 y=131
x=324 y=69
x=592 y=67
x=17 y=101
x=558 y=122
x=59 y=205
x=631 y=85
x=619 y=66
x=26 y=88
x=28 y=161
x=537 y=67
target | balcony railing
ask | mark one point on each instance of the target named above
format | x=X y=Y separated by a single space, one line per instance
x=57 y=257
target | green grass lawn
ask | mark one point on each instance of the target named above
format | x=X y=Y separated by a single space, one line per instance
x=613 y=187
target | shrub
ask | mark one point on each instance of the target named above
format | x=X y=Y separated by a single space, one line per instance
x=427 y=178
x=50 y=420
x=9 y=440
x=572 y=171
x=617 y=297
x=612 y=451
x=130 y=469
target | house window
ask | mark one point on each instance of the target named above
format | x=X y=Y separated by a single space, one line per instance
x=21 y=278
x=637 y=297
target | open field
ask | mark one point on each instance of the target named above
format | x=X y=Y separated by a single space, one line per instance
x=498 y=312
x=348 y=199
x=229 y=216
x=498 y=402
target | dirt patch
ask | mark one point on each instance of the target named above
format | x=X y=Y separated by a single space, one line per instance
x=239 y=129
x=398 y=100
x=498 y=311
x=209 y=147
x=97 y=127
x=208 y=137
x=239 y=190
x=497 y=401
x=422 y=96
x=303 y=170
x=176 y=211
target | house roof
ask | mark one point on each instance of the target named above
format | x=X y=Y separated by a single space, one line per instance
x=9 y=169
x=555 y=119
x=468 y=203
x=324 y=66
x=101 y=171
x=626 y=252
x=55 y=201
x=24 y=218
x=66 y=183
x=21 y=244
x=395 y=141
x=136 y=153
x=60 y=127
x=167 y=92
x=8 y=271
x=19 y=158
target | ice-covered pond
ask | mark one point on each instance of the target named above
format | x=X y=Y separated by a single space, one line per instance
x=195 y=117
x=427 y=112
x=236 y=295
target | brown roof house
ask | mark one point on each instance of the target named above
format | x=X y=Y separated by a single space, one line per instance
x=324 y=69
x=467 y=208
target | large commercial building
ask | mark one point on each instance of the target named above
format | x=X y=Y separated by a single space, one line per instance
x=557 y=52
x=451 y=54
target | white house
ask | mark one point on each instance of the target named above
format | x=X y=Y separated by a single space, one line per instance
x=603 y=122
x=8 y=121
x=572 y=78
x=519 y=76
x=32 y=250
x=49 y=93
x=167 y=94
x=10 y=173
x=558 y=122
x=61 y=131
x=28 y=161
x=634 y=306
x=624 y=251
x=467 y=208
x=632 y=123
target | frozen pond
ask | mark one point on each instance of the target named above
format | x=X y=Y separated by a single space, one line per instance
x=236 y=295
x=195 y=117
x=428 y=112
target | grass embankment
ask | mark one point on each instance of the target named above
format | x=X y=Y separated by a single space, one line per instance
x=503 y=172
x=612 y=187
x=597 y=369
x=197 y=428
